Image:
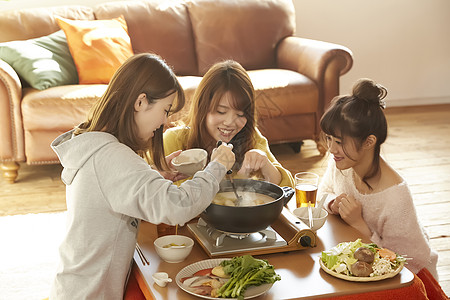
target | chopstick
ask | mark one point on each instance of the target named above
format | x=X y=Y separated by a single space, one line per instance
x=141 y=255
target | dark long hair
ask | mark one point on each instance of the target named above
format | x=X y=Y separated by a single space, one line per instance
x=357 y=116
x=114 y=111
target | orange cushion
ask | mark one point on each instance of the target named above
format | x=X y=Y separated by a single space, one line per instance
x=98 y=47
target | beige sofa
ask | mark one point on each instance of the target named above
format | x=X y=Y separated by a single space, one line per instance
x=295 y=78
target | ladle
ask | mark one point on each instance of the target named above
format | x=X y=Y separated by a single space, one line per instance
x=238 y=198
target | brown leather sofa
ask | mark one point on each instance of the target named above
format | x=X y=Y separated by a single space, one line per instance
x=295 y=78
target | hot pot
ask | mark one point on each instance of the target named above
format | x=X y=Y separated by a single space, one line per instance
x=247 y=219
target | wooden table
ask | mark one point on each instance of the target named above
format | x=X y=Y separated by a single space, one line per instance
x=301 y=276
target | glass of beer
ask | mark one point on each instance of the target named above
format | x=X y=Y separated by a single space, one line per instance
x=306 y=188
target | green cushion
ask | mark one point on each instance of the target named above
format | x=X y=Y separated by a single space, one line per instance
x=43 y=62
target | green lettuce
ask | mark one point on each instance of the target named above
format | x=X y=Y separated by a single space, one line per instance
x=341 y=254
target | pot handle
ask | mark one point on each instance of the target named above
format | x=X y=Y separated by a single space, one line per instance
x=288 y=193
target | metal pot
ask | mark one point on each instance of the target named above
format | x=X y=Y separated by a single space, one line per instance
x=247 y=219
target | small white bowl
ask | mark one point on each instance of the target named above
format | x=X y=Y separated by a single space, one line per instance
x=173 y=254
x=302 y=214
x=190 y=161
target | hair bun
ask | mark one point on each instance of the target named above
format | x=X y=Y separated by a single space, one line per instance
x=370 y=91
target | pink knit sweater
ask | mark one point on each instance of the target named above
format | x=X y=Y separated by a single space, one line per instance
x=390 y=215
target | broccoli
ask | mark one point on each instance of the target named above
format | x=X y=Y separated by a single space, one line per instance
x=245 y=271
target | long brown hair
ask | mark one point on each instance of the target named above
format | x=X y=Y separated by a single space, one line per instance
x=223 y=77
x=357 y=116
x=114 y=111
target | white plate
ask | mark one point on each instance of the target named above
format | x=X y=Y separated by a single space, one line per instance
x=250 y=292
x=359 y=279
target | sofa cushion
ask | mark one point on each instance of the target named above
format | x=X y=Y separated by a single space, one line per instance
x=42 y=62
x=280 y=92
x=58 y=108
x=162 y=27
x=98 y=47
x=248 y=32
x=285 y=100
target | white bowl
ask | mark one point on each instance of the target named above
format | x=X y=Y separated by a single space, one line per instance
x=173 y=254
x=302 y=214
x=190 y=161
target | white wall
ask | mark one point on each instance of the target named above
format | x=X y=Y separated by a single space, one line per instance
x=402 y=44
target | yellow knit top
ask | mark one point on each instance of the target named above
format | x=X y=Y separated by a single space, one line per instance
x=175 y=139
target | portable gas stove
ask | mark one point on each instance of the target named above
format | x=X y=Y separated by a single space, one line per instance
x=287 y=233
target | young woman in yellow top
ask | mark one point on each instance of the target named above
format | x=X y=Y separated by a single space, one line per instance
x=223 y=108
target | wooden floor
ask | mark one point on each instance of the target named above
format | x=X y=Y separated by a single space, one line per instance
x=418 y=146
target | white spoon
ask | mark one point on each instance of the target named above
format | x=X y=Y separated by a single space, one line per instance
x=320 y=205
x=310 y=216
x=177 y=247
x=174 y=246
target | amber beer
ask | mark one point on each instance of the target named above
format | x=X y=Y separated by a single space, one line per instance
x=305 y=193
x=306 y=188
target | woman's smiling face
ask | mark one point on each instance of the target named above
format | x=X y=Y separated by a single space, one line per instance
x=225 y=122
x=346 y=155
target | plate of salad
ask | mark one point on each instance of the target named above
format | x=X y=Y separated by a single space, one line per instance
x=358 y=261
x=241 y=277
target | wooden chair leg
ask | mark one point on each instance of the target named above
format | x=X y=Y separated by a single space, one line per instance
x=10 y=171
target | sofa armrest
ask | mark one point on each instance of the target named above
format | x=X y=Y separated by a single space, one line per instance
x=11 y=129
x=320 y=61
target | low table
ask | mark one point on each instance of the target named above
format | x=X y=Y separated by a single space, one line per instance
x=301 y=275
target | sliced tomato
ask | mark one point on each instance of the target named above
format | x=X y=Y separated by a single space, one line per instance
x=204 y=272
x=387 y=254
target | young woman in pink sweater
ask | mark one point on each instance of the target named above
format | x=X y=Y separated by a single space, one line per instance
x=363 y=188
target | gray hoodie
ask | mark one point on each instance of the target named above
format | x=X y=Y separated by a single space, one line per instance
x=109 y=189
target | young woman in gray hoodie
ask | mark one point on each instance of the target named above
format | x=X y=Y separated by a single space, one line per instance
x=110 y=187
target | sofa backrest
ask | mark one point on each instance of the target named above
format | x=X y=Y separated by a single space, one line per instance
x=162 y=27
x=247 y=31
x=191 y=35
x=31 y=23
